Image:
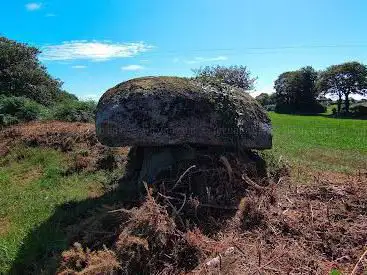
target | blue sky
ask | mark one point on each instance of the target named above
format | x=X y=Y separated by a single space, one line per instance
x=93 y=45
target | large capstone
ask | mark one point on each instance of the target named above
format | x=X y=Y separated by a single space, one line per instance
x=157 y=111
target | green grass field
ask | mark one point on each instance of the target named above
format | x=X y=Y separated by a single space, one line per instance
x=33 y=185
x=320 y=142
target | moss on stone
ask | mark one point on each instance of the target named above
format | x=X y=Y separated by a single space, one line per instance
x=152 y=84
x=185 y=86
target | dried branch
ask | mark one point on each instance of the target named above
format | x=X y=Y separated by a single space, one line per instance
x=181 y=177
x=253 y=184
x=354 y=271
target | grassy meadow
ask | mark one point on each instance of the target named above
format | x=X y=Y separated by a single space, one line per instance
x=33 y=185
x=321 y=142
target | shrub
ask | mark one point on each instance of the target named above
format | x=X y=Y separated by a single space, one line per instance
x=334 y=111
x=270 y=108
x=276 y=167
x=359 y=110
x=73 y=110
x=19 y=109
x=65 y=96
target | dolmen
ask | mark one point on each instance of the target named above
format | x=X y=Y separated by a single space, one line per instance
x=166 y=118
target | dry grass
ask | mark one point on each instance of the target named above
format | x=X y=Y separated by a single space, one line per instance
x=283 y=229
x=82 y=261
x=76 y=139
x=4 y=226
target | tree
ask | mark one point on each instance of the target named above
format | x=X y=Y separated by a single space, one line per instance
x=343 y=80
x=266 y=99
x=296 y=91
x=263 y=99
x=237 y=76
x=21 y=73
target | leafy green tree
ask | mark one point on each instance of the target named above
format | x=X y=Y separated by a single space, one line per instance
x=296 y=91
x=343 y=80
x=266 y=99
x=21 y=73
x=237 y=76
x=263 y=99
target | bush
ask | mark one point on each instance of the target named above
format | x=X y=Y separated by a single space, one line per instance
x=270 y=108
x=6 y=120
x=359 y=110
x=73 y=110
x=65 y=96
x=310 y=108
x=19 y=109
x=15 y=110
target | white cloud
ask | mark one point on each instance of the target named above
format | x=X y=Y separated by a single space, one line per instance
x=92 y=50
x=132 y=68
x=33 y=6
x=204 y=59
x=79 y=67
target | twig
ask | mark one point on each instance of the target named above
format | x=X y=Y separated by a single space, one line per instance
x=228 y=184
x=265 y=266
x=120 y=210
x=225 y=161
x=200 y=204
x=239 y=249
x=342 y=258
x=181 y=177
x=259 y=254
x=175 y=212
x=311 y=211
x=166 y=197
x=183 y=204
x=218 y=206
x=253 y=184
x=354 y=271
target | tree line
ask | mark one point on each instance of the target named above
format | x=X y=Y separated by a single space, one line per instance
x=298 y=91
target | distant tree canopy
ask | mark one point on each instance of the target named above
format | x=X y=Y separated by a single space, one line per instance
x=296 y=92
x=21 y=73
x=343 y=80
x=237 y=76
x=265 y=99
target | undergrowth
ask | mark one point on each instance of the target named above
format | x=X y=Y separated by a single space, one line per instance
x=34 y=183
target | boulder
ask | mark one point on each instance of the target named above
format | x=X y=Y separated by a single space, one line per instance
x=158 y=111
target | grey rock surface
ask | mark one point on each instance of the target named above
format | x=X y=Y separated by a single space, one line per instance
x=157 y=111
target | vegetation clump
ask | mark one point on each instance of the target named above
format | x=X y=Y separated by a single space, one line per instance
x=28 y=92
x=296 y=92
x=344 y=80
